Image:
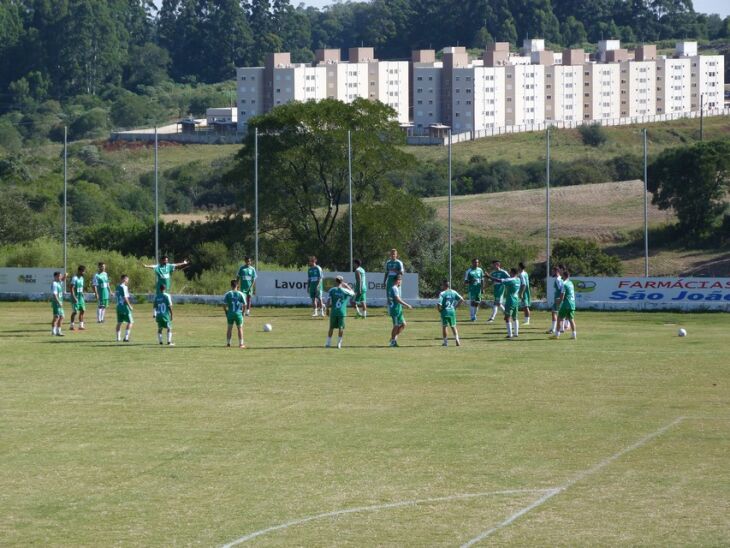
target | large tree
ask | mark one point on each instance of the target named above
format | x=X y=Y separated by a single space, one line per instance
x=694 y=182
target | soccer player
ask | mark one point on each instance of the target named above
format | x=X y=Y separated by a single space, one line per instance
x=564 y=324
x=393 y=268
x=525 y=300
x=234 y=302
x=567 y=305
x=474 y=280
x=361 y=290
x=100 y=283
x=164 y=270
x=395 y=307
x=247 y=282
x=57 y=303
x=124 y=309
x=512 y=286
x=163 y=314
x=77 y=298
x=497 y=275
x=315 y=277
x=339 y=296
x=557 y=290
x=449 y=300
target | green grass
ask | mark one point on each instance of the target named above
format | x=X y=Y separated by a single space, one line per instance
x=567 y=145
x=138 y=444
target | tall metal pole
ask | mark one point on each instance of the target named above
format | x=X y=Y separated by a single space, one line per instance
x=449 y=206
x=157 y=205
x=646 y=210
x=256 y=195
x=702 y=116
x=547 y=209
x=65 y=203
x=349 y=179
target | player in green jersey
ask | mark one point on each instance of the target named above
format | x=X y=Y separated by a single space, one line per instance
x=525 y=300
x=100 y=283
x=163 y=314
x=315 y=279
x=77 y=298
x=57 y=303
x=361 y=290
x=511 y=301
x=338 y=298
x=557 y=290
x=124 y=308
x=234 y=303
x=474 y=280
x=497 y=274
x=393 y=268
x=247 y=282
x=395 y=307
x=567 y=305
x=448 y=301
x=164 y=270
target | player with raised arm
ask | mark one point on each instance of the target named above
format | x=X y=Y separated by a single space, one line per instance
x=511 y=302
x=100 y=283
x=234 y=303
x=338 y=298
x=393 y=267
x=57 y=303
x=448 y=302
x=395 y=307
x=567 y=305
x=247 y=282
x=315 y=279
x=361 y=290
x=77 y=298
x=496 y=275
x=164 y=270
x=124 y=309
x=163 y=314
x=557 y=290
x=474 y=281
x=525 y=300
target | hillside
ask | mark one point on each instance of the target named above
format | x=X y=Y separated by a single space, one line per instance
x=608 y=213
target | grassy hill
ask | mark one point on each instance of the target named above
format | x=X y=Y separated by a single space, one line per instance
x=610 y=213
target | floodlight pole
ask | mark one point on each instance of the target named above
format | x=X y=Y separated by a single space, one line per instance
x=646 y=209
x=349 y=179
x=449 y=206
x=547 y=209
x=65 y=204
x=256 y=194
x=157 y=205
x=702 y=116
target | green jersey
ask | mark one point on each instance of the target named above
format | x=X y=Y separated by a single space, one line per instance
x=314 y=274
x=57 y=292
x=568 y=294
x=501 y=274
x=122 y=294
x=474 y=277
x=163 y=275
x=234 y=301
x=163 y=304
x=361 y=285
x=393 y=267
x=77 y=284
x=525 y=282
x=394 y=306
x=247 y=276
x=339 y=297
x=512 y=288
x=101 y=281
x=448 y=300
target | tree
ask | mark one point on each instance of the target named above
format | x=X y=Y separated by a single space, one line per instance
x=593 y=135
x=693 y=181
x=303 y=164
x=585 y=258
x=131 y=110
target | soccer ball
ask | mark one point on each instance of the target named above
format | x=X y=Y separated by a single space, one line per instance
x=267 y=327
x=682 y=332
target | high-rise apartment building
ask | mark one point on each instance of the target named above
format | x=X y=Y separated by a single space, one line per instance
x=525 y=94
x=564 y=88
x=673 y=85
x=601 y=91
x=638 y=84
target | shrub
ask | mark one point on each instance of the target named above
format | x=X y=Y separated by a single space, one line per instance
x=585 y=258
x=593 y=135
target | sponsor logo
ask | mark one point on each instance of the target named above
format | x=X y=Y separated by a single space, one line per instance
x=641 y=295
x=27 y=279
x=584 y=286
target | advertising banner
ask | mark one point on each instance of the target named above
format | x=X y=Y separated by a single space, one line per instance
x=650 y=293
x=27 y=281
x=294 y=284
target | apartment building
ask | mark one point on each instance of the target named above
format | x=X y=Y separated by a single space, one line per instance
x=638 y=83
x=564 y=88
x=478 y=101
x=708 y=82
x=673 y=85
x=427 y=95
x=388 y=83
x=601 y=91
x=525 y=94
x=250 y=93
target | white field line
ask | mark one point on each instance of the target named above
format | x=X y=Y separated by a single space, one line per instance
x=377 y=507
x=582 y=475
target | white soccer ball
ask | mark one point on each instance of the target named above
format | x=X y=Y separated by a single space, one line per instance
x=682 y=332
x=267 y=327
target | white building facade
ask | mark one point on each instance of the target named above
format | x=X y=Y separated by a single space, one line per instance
x=564 y=93
x=601 y=91
x=525 y=94
x=673 y=85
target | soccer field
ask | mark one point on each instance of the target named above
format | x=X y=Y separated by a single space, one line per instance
x=619 y=437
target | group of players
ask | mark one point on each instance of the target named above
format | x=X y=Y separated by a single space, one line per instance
x=511 y=292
